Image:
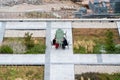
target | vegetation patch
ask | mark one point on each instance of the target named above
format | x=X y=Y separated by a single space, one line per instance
x=24 y=45
x=6 y=49
x=97 y=76
x=21 y=72
x=36 y=14
x=93 y=40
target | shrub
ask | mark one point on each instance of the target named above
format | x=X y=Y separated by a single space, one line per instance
x=80 y=50
x=6 y=49
x=29 y=43
x=97 y=48
x=97 y=76
x=38 y=48
x=110 y=45
x=117 y=48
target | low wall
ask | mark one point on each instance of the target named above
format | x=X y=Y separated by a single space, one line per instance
x=94 y=24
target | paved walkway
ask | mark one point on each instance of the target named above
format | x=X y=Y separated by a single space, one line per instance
x=59 y=70
x=22 y=59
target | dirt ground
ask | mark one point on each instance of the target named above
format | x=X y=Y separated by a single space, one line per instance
x=44 y=7
x=91 y=33
x=18 y=11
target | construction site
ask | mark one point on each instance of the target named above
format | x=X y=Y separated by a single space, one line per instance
x=59 y=9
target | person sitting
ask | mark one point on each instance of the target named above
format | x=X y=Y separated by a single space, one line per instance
x=54 y=41
x=65 y=43
x=55 y=44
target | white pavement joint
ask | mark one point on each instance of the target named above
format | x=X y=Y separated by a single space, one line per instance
x=47 y=55
x=99 y=58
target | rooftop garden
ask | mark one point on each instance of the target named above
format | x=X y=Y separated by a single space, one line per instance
x=96 y=41
x=23 y=45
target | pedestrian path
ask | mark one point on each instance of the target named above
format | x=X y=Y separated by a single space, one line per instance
x=62 y=72
x=22 y=59
x=47 y=52
x=59 y=70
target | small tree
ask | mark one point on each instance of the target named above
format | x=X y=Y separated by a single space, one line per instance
x=28 y=40
x=110 y=45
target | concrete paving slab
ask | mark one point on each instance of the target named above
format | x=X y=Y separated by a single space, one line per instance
x=73 y=59
x=62 y=72
x=111 y=58
x=85 y=59
x=22 y=59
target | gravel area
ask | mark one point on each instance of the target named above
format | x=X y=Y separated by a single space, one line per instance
x=79 y=69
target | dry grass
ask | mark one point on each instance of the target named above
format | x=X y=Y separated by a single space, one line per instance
x=94 y=34
x=39 y=15
x=89 y=38
x=21 y=72
x=88 y=45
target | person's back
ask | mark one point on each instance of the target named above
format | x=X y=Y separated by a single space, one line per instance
x=59 y=36
x=65 y=42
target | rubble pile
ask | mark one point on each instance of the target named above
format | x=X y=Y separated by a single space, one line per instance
x=15 y=2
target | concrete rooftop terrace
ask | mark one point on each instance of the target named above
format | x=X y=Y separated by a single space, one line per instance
x=61 y=60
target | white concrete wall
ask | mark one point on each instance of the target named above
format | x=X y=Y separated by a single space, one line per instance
x=42 y=25
x=25 y=25
x=94 y=25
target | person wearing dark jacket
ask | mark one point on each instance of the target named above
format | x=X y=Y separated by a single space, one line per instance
x=54 y=41
x=65 y=43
